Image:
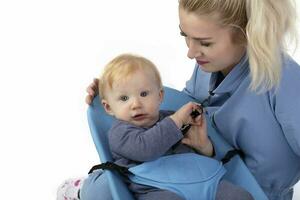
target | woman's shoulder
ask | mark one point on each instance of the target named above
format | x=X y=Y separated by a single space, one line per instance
x=289 y=81
x=290 y=65
x=290 y=71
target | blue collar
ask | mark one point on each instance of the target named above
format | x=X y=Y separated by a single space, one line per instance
x=233 y=78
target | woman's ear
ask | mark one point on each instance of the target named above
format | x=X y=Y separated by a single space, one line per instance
x=106 y=107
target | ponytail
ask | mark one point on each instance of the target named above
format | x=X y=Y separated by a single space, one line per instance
x=269 y=22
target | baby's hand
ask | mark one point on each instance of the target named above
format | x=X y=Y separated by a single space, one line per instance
x=183 y=115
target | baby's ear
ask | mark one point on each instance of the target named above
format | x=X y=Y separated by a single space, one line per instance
x=161 y=94
x=106 y=107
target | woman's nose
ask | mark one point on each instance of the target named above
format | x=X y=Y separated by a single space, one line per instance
x=194 y=50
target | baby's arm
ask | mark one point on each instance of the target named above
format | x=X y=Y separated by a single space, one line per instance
x=139 y=144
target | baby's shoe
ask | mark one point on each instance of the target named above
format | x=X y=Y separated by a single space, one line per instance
x=69 y=190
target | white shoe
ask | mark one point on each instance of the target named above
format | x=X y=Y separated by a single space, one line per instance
x=69 y=190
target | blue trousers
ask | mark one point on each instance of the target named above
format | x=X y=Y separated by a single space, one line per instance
x=96 y=187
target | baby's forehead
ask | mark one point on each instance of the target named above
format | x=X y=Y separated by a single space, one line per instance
x=146 y=74
x=129 y=85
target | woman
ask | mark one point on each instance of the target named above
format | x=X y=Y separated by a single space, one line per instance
x=253 y=99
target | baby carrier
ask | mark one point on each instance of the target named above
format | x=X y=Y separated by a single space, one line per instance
x=209 y=171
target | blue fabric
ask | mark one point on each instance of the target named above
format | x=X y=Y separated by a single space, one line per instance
x=100 y=122
x=96 y=187
x=264 y=126
x=189 y=175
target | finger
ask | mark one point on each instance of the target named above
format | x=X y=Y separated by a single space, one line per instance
x=192 y=106
x=90 y=91
x=88 y=100
x=94 y=86
x=96 y=81
x=185 y=141
x=203 y=121
x=198 y=119
x=195 y=123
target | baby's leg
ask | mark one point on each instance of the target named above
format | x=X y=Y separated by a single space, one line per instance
x=158 y=194
x=228 y=191
x=96 y=187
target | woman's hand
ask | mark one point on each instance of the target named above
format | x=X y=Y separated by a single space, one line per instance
x=197 y=137
x=92 y=91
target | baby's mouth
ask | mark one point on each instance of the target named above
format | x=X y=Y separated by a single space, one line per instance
x=139 y=116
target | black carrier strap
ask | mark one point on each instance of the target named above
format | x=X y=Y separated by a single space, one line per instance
x=231 y=154
x=111 y=166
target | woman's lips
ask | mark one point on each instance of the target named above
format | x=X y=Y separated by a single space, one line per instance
x=201 y=62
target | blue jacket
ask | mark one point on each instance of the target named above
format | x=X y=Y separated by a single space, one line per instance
x=266 y=126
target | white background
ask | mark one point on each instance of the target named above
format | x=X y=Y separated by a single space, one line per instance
x=49 y=52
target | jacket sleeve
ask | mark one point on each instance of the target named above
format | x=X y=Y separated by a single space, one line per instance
x=286 y=102
x=139 y=144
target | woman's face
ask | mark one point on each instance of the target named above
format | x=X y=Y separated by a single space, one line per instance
x=209 y=43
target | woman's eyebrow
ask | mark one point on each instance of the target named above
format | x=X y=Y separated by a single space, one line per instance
x=195 y=38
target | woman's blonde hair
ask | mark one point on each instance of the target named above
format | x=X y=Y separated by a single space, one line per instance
x=121 y=67
x=262 y=25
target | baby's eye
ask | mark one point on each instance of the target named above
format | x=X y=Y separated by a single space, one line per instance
x=124 y=98
x=143 y=94
x=205 y=44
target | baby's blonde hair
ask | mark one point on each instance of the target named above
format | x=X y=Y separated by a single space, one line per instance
x=122 y=67
x=262 y=25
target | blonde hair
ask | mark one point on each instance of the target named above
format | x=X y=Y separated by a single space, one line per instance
x=262 y=25
x=122 y=67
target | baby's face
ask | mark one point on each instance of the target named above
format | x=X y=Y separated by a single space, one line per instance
x=135 y=99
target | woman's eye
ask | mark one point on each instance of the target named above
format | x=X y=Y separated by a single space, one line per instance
x=143 y=94
x=182 y=34
x=124 y=98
